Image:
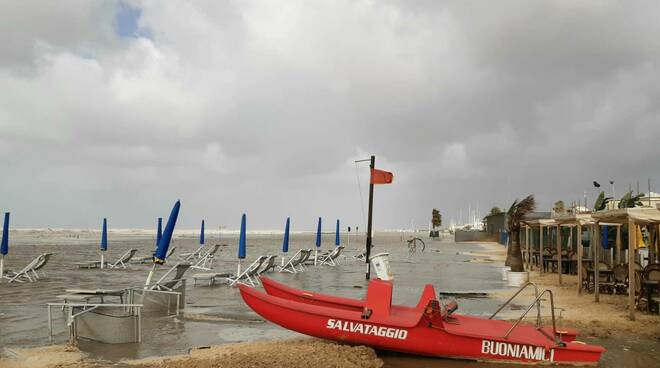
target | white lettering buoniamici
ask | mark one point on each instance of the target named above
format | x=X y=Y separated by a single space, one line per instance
x=367 y=329
x=515 y=351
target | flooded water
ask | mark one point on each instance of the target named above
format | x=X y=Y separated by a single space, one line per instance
x=217 y=315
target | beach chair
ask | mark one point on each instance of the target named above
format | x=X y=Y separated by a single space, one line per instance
x=125 y=258
x=150 y=259
x=620 y=274
x=306 y=258
x=331 y=258
x=362 y=256
x=211 y=277
x=179 y=270
x=586 y=279
x=605 y=285
x=193 y=255
x=29 y=272
x=291 y=265
x=269 y=264
x=248 y=274
x=205 y=261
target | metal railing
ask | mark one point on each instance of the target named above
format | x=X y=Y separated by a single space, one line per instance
x=522 y=288
x=537 y=302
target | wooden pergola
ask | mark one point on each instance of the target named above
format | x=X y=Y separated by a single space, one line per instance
x=632 y=217
x=576 y=221
x=529 y=225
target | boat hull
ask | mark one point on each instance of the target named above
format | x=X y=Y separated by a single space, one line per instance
x=280 y=290
x=468 y=338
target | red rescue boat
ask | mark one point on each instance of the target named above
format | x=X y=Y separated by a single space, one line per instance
x=428 y=329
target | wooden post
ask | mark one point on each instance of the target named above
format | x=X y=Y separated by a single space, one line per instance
x=618 y=244
x=631 y=268
x=596 y=246
x=559 y=252
x=541 y=249
x=529 y=254
x=580 y=249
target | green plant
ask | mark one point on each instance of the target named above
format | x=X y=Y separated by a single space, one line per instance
x=516 y=212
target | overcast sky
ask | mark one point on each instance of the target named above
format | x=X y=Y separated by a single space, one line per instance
x=116 y=109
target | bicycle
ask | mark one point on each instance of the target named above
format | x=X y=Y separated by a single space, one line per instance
x=412 y=245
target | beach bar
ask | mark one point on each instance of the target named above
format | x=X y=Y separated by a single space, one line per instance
x=633 y=217
x=536 y=256
x=578 y=222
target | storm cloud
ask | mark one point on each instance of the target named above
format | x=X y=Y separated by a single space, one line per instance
x=117 y=109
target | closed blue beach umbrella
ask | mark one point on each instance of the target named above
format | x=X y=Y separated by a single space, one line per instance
x=337 y=239
x=241 y=240
x=104 y=235
x=159 y=232
x=285 y=241
x=164 y=243
x=4 y=246
x=201 y=234
x=318 y=242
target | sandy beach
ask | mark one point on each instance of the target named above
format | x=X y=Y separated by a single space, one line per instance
x=296 y=353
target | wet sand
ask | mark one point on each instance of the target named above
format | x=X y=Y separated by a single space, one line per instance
x=217 y=317
x=297 y=353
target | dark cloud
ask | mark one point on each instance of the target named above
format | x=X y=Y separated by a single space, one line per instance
x=262 y=108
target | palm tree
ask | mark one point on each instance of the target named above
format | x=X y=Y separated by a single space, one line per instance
x=515 y=214
x=601 y=202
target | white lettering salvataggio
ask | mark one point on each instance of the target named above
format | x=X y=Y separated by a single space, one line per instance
x=367 y=329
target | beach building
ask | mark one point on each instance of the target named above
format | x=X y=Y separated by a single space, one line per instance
x=495 y=225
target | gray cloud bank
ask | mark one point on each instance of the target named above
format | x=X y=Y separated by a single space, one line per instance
x=261 y=107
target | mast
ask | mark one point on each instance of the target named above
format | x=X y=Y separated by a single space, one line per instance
x=372 y=166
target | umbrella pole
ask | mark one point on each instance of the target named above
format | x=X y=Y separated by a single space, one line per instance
x=2 y=266
x=151 y=275
x=238 y=269
x=102 y=260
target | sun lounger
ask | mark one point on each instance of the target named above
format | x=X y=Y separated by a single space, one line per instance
x=193 y=255
x=331 y=259
x=29 y=272
x=249 y=274
x=88 y=265
x=125 y=258
x=205 y=262
x=291 y=265
x=305 y=259
x=362 y=256
x=179 y=270
x=211 y=277
x=150 y=259
x=121 y=262
x=269 y=264
x=86 y=295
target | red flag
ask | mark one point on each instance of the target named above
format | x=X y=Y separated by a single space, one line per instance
x=381 y=177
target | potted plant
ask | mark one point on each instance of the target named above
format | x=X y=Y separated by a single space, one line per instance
x=517 y=276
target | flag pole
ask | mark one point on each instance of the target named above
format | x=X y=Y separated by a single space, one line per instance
x=372 y=166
